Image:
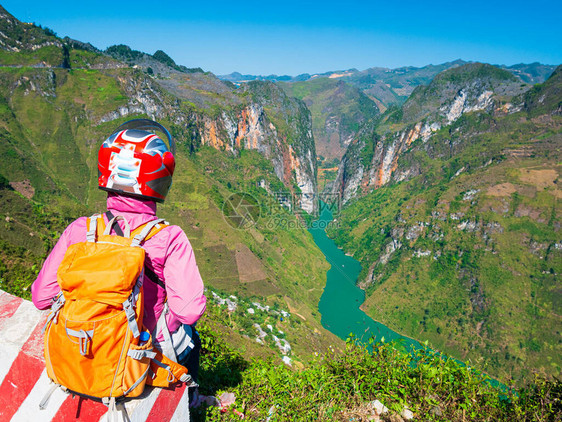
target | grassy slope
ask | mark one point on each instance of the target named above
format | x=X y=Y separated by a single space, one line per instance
x=486 y=292
x=200 y=190
x=426 y=100
x=343 y=387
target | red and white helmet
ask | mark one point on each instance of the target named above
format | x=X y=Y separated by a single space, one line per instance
x=134 y=161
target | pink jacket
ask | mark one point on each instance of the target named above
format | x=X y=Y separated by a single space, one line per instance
x=169 y=255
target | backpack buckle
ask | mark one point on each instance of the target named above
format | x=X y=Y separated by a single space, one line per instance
x=55 y=309
x=131 y=317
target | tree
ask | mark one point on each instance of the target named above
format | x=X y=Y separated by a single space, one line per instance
x=65 y=57
x=164 y=58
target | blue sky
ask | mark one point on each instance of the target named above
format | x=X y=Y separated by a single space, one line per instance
x=294 y=37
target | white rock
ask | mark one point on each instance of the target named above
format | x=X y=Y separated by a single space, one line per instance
x=469 y=195
x=261 y=307
x=467 y=225
x=456 y=109
x=352 y=184
x=231 y=305
x=380 y=408
x=414 y=232
x=261 y=334
x=459 y=171
x=419 y=253
x=407 y=414
x=287 y=360
x=393 y=245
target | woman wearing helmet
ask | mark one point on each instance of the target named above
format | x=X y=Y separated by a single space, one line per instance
x=135 y=167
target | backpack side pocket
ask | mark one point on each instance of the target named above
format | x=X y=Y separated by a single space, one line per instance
x=166 y=372
x=137 y=368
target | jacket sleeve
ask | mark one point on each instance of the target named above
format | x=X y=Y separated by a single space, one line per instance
x=45 y=287
x=184 y=285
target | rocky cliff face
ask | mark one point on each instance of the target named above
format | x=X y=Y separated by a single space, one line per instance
x=251 y=128
x=372 y=160
x=277 y=126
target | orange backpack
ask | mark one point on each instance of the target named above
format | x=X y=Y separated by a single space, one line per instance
x=93 y=336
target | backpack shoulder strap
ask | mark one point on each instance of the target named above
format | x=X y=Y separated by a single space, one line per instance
x=92 y=225
x=162 y=224
x=148 y=230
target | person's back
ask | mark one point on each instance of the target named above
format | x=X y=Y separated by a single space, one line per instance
x=136 y=168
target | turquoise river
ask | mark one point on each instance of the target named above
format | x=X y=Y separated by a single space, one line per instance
x=340 y=302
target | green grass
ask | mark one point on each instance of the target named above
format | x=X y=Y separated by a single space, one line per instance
x=86 y=59
x=339 y=386
x=51 y=55
x=99 y=92
x=27 y=232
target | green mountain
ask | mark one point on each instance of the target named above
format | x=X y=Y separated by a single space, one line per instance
x=453 y=209
x=341 y=102
x=157 y=64
x=237 y=77
x=383 y=85
x=338 y=110
x=386 y=87
x=60 y=98
x=393 y=86
x=372 y=160
x=533 y=73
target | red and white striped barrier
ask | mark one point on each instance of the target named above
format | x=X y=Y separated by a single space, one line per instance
x=24 y=381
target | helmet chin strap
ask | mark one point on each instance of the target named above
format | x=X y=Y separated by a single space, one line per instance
x=149 y=126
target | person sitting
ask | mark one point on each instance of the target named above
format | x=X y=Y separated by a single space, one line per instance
x=136 y=168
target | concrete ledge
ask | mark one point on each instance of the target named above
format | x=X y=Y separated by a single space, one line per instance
x=24 y=381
